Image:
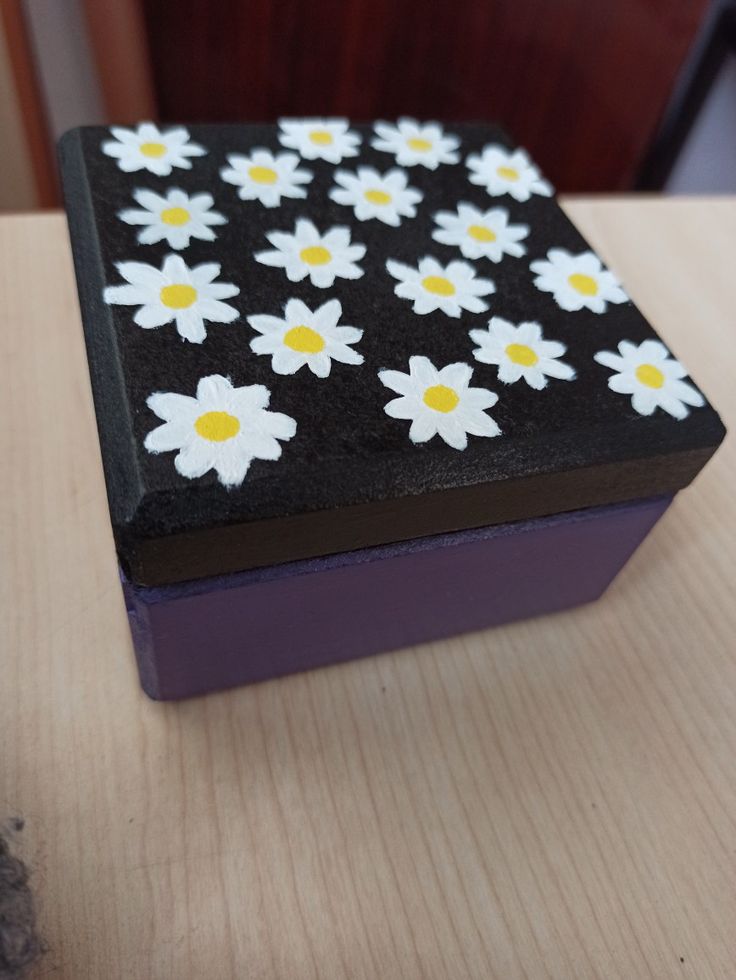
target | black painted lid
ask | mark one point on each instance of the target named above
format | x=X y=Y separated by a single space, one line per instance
x=317 y=336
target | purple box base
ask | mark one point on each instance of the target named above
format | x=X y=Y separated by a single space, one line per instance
x=237 y=629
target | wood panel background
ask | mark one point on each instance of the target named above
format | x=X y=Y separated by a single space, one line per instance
x=582 y=83
x=27 y=178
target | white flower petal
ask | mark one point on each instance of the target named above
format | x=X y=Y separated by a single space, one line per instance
x=610 y=360
x=170 y=406
x=265 y=344
x=265 y=324
x=345 y=355
x=278 y=425
x=423 y=427
x=480 y=424
x=190 y=325
x=623 y=384
x=216 y=311
x=153 y=315
x=319 y=364
x=452 y=432
x=347 y=335
x=673 y=406
x=328 y=315
x=422 y=369
x=644 y=402
x=557 y=369
x=194 y=460
x=401 y=408
x=455 y=375
x=509 y=373
x=126 y=295
x=323 y=278
x=169 y=436
x=276 y=259
x=232 y=468
x=396 y=381
x=286 y=361
x=686 y=393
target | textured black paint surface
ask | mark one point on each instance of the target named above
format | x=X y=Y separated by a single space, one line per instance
x=348 y=455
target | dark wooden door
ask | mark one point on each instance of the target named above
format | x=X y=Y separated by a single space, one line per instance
x=581 y=83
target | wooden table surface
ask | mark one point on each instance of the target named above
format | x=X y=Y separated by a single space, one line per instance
x=556 y=798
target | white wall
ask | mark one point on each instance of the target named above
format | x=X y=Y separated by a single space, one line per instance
x=707 y=161
x=65 y=64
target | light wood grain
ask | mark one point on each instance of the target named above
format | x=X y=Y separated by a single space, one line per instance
x=552 y=799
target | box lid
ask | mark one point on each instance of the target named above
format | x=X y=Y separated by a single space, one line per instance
x=317 y=336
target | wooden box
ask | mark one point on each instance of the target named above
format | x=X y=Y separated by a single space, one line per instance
x=357 y=386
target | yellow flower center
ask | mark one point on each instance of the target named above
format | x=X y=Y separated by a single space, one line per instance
x=649 y=375
x=583 y=284
x=179 y=296
x=304 y=340
x=438 y=285
x=321 y=137
x=263 y=175
x=418 y=144
x=377 y=197
x=315 y=255
x=481 y=234
x=508 y=173
x=441 y=398
x=217 y=426
x=521 y=354
x=152 y=149
x=175 y=216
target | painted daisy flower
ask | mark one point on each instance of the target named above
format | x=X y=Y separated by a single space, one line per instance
x=577 y=281
x=651 y=377
x=520 y=352
x=177 y=217
x=308 y=253
x=503 y=171
x=263 y=177
x=440 y=402
x=415 y=143
x=432 y=286
x=480 y=234
x=305 y=337
x=319 y=139
x=149 y=148
x=188 y=295
x=372 y=195
x=222 y=429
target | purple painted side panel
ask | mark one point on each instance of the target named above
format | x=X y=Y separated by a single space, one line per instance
x=263 y=623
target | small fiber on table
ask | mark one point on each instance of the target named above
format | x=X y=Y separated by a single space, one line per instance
x=20 y=945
